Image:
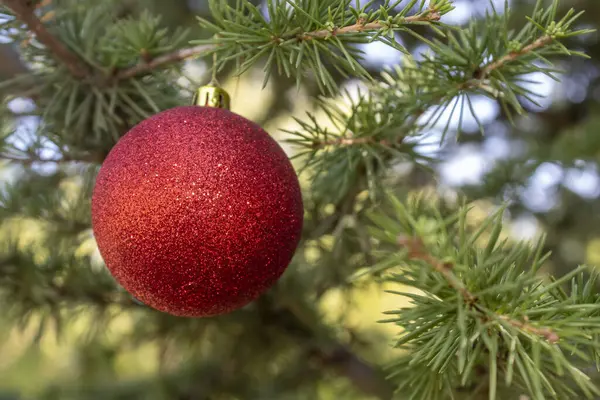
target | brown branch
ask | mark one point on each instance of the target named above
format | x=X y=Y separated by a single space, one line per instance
x=26 y=13
x=416 y=251
x=160 y=61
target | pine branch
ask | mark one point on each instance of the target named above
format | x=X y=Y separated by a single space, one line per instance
x=356 y=145
x=142 y=26
x=480 y=76
x=190 y=52
x=458 y=69
x=416 y=252
x=25 y=11
x=183 y=54
x=481 y=304
x=411 y=90
x=317 y=37
x=186 y=53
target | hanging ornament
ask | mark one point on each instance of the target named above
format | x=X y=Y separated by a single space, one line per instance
x=197 y=211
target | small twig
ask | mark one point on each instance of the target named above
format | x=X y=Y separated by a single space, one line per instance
x=540 y=42
x=168 y=58
x=351 y=141
x=343 y=141
x=547 y=333
x=416 y=251
x=430 y=16
x=26 y=13
x=36 y=159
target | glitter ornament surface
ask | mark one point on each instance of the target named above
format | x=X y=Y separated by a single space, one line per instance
x=197 y=211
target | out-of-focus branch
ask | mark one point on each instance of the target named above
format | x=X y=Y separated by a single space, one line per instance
x=325 y=350
x=163 y=60
x=10 y=62
x=36 y=159
x=361 y=374
x=11 y=67
x=25 y=11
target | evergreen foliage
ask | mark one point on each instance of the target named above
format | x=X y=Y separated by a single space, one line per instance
x=484 y=320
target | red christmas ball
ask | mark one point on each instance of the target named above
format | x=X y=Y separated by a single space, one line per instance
x=197 y=211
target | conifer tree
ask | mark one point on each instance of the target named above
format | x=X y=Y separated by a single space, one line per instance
x=476 y=313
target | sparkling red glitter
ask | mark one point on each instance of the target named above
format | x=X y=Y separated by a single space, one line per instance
x=197 y=211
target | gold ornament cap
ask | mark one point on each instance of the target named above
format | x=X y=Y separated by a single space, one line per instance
x=212 y=96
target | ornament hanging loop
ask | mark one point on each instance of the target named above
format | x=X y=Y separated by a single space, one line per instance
x=212 y=95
